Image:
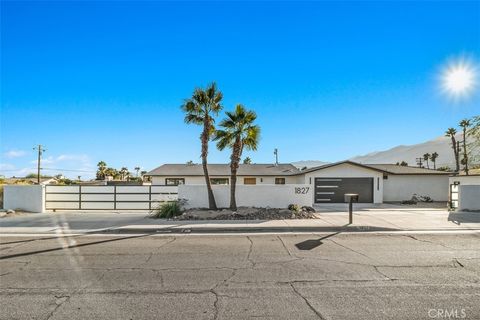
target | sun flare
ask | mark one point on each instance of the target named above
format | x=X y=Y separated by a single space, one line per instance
x=459 y=79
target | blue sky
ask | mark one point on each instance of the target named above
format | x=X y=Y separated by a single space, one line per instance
x=329 y=80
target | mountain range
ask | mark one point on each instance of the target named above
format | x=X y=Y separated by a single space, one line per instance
x=407 y=153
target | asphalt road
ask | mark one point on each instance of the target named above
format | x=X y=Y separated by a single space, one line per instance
x=342 y=276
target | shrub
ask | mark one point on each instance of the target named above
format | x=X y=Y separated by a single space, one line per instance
x=167 y=210
x=294 y=207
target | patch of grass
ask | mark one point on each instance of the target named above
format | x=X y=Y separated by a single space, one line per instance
x=167 y=210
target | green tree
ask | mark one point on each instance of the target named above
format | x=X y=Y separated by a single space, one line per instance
x=124 y=173
x=101 y=170
x=137 y=169
x=426 y=157
x=451 y=132
x=111 y=172
x=465 y=124
x=200 y=109
x=247 y=160
x=434 y=157
x=238 y=133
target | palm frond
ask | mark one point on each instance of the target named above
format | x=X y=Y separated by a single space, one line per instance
x=193 y=118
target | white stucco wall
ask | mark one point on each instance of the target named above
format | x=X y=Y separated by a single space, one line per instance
x=28 y=198
x=275 y=196
x=347 y=170
x=402 y=187
x=469 y=197
x=200 y=180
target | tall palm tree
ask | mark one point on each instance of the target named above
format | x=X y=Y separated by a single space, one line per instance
x=200 y=109
x=137 y=169
x=434 y=157
x=451 y=132
x=102 y=167
x=426 y=157
x=465 y=124
x=238 y=133
x=247 y=160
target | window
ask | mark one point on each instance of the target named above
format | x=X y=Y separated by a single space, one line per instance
x=249 y=180
x=279 y=180
x=219 y=180
x=174 y=181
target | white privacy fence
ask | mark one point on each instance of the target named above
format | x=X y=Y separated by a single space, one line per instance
x=274 y=196
x=107 y=197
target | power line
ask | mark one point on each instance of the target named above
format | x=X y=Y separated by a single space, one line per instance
x=73 y=170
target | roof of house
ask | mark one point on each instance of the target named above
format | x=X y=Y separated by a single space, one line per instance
x=328 y=165
x=281 y=169
x=385 y=168
x=224 y=170
x=396 y=169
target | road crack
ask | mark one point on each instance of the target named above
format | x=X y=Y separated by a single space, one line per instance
x=319 y=315
x=428 y=241
x=58 y=303
x=348 y=248
x=250 y=252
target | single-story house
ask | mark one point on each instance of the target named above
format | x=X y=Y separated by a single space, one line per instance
x=375 y=183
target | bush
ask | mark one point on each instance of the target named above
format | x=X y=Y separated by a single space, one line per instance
x=167 y=210
x=294 y=207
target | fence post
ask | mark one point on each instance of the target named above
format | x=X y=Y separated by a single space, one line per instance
x=79 y=197
x=150 y=198
x=114 y=197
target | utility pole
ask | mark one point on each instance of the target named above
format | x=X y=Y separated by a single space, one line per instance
x=419 y=162
x=40 y=151
x=275 y=152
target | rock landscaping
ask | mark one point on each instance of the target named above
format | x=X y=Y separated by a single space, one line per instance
x=246 y=213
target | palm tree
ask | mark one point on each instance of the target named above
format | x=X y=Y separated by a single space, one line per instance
x=200 y=110
x=465 y=124
x=426 y=157
x=238 y=133
x=434 y=157
x=124 y=173
x=102 y=167
x=247 y=160
x=137 y=169
x=451 y=132
x=111 y=172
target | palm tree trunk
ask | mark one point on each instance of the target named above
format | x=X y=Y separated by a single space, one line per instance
x=465 y=156
x=233 y=187
x=234 y=164
x=455 y=153
x=205 y=137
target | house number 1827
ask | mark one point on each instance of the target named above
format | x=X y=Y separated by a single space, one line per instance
x=302 y=190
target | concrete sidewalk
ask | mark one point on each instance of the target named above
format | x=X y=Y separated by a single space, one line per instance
x=365 y=220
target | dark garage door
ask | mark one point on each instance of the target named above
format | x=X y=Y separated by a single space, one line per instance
x=332 y=190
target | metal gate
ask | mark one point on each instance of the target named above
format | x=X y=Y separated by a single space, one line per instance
x=108 y=197
x=332 y=190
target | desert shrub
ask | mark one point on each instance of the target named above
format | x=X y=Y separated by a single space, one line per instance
x=294 y=207
x=167 y=210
